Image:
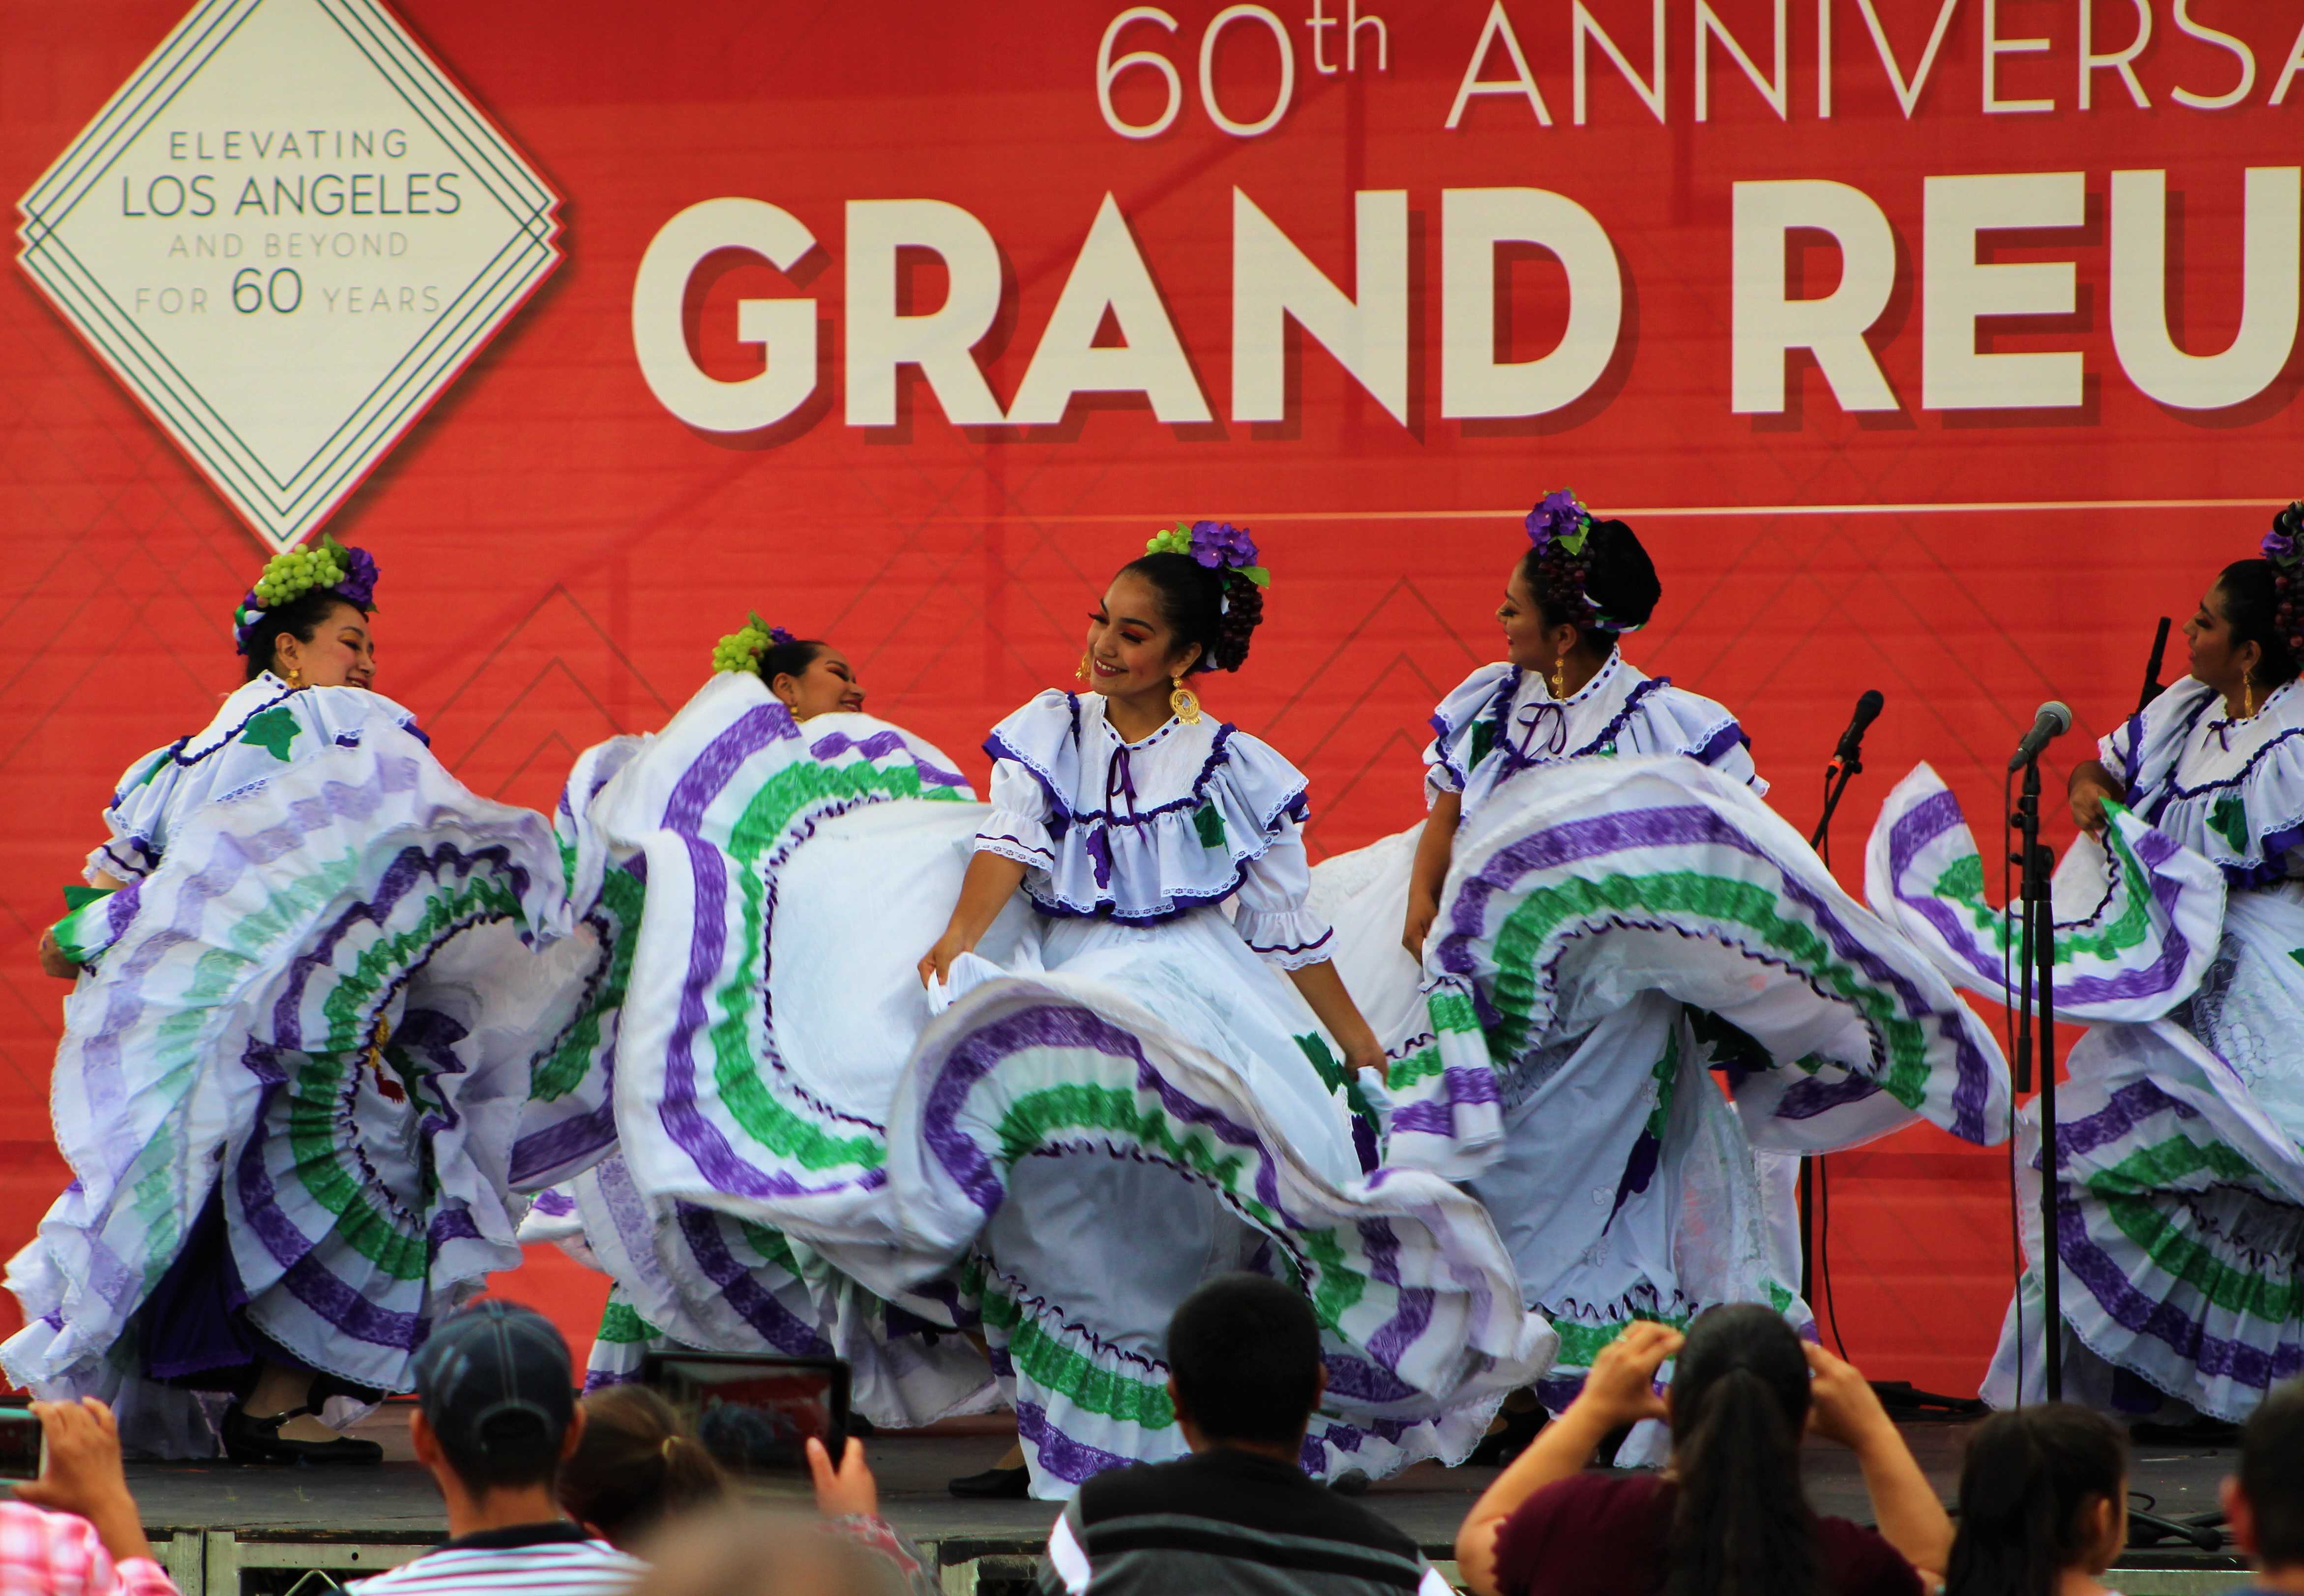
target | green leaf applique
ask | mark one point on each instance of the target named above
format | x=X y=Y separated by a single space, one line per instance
x=2229 y=819
x=273 y=731
x=1209 y=825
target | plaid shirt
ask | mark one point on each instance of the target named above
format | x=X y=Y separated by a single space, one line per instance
x=58 y=1554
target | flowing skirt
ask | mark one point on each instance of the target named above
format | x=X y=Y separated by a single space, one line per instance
x=2180 y=1144
x=1642 y=997
x=317 y=1019
x=1155 y=1108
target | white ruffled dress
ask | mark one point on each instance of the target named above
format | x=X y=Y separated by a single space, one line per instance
x=1138 y=1098
x=2180 y=1130
x=1622 y=918
x=292 y=1072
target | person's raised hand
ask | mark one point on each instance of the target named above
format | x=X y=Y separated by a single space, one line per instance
x=84 y=1475
x=1842 y=1404
x=1622 y=1385
x=846 y=1491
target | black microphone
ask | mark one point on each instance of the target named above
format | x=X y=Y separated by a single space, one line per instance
x=2052 y=721
x=1851 y=741
x=2152 y=688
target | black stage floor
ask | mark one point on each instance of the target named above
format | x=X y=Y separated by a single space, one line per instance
x=396 y=1502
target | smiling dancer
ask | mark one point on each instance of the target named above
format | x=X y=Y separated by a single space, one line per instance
x=289 y=1078
x=1602 y=913
x=1156 y=1087
x=2180 y=911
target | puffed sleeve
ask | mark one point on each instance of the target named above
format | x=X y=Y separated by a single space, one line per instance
x=1272 y=912
x=133 y=819
x=1017 y=826
x=1462 y=728
x=1662 y=719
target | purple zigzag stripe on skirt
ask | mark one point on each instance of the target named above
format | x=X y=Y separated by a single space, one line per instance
x=880 y=745
x=451 y=1223
x=716 y=766
x=558 y=1144
x=680 y=1112
x=776 y=1324
x=1361 y=1380
x=1929 y=819
x=308 y=1280
x=2123 y=1111
x=1682 y=825
x=1424 y=1117
x=1806 y=1099
x=1067 y=1459
x=2134 y=1310
x=1060 y=1025
x=555 y=1204
x=1412 y=1316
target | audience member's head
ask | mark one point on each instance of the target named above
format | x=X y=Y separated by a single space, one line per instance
x=496 y=1405
x=1244 y=1365
x=1741 y=1523
x=2265 y=1499
x=2043 y=1491
x=742 y=1551
x=635 y=1466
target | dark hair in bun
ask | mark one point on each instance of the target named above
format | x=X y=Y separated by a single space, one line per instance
x=301 y=618
x=789 y=659
x=1216 y=608
x=2259 y=609
x=1609 y=588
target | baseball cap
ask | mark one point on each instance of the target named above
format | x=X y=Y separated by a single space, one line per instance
x=496 y=1379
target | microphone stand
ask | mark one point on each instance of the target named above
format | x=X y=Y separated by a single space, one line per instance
x=1835 y=783
x=2035 y=959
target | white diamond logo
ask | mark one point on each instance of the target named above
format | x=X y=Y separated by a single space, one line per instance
x=287 y=234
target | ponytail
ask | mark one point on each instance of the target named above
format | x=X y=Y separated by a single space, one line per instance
x=1741 y=1524
x=635 y=1466
x=2028 y=1490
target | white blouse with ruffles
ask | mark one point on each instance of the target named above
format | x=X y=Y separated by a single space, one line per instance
x=260 y=729
x=1142 y=832
x=2232 y=791
x=1502 y=720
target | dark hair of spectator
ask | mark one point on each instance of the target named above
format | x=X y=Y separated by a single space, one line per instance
x=1244 y=1350
x=509 y=1451
x=1218 y=608
x=2252 y=610
x=302 y=617
x=2029 y=1494
x=2272 y=1474
x=1740 y=1522
x=635 y=1466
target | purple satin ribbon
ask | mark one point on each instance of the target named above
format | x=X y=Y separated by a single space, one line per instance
x=1532 y=716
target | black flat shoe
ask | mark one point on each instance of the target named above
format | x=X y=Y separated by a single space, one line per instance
x=249 y=1440
x=1500 y=1447
x=2199 y=1431
x=994 y=1485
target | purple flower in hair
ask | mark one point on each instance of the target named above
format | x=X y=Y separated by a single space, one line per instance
x=1558 y=517
x=359 y=585
x=1219 y=545
x=781 y=637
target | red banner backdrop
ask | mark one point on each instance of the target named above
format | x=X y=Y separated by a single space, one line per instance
x=1937 y=351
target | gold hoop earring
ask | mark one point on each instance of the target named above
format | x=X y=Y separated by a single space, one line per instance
x=1082 y=672
x=1560 y=678
x=1183 y=702
x=2246 y=699
x=295 y=676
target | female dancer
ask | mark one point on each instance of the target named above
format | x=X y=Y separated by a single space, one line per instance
x=1164 y=1099
x=2180 y=1155
x=289 y=1078
x=1605 y=913
x=720 y=865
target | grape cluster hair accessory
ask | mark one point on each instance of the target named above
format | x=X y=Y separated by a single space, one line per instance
x=1560 y=529
x=2283 y=546
x=1219 y=546
x=743 y=649
x=322 y=565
